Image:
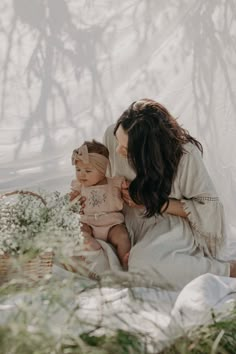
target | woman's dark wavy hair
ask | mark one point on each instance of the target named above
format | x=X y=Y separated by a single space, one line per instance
x=155 y=147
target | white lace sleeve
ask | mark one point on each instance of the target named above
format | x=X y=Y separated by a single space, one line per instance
x=201 y=203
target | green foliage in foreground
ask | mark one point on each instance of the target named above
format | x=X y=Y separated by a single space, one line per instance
x=47 y=320
x=22 y=342
x=217 y=338
x=33 y=327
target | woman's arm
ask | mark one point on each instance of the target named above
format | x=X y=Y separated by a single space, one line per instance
x=175 y=207
x=200 y=201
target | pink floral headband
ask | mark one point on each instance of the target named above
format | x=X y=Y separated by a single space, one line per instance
x=99 y=161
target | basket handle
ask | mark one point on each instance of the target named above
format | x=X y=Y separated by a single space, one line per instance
x=24 y=193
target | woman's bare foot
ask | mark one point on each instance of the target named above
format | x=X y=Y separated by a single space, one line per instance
x=125 y=260
x=232 y=269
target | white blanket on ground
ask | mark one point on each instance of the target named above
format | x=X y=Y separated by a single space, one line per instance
x=159 y=316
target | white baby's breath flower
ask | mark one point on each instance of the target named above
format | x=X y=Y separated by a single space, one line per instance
x=27 y=223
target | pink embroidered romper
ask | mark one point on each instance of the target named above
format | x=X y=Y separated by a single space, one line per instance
x=103 y=206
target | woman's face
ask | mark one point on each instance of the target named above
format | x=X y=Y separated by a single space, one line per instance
x=122 y=141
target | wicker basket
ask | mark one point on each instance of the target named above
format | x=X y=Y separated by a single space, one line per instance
x=27 y=269
x=30 y=270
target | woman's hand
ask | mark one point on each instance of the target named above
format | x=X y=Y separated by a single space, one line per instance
x=175 y=207
x=126 y=197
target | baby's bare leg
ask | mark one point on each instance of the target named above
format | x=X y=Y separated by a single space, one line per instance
x=89 y=241
x=118 y=236
x=90 y=244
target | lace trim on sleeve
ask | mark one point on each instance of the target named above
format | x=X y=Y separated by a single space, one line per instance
x=210 y=243
x=201 y=200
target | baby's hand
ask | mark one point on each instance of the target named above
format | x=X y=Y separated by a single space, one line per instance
x=73 y=195
x=75 y=186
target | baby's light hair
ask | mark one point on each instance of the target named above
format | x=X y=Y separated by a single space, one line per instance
x=92 y=152
x=96 y=147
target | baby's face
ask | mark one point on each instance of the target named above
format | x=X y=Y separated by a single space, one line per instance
x=87 y=175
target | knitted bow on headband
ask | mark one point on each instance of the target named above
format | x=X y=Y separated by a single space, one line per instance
x=99 y=161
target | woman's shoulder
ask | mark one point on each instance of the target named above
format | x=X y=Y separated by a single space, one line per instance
x=110 y=129
x=191 y=159
x=109 y=134
x=191 y=148
x=191 y=152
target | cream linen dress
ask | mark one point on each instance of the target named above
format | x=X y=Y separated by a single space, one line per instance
x=169 y=250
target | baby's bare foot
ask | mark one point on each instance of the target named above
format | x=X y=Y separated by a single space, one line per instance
x=90 y=243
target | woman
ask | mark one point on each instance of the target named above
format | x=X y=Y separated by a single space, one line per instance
x=173 y=213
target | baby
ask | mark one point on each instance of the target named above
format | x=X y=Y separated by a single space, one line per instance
x=102 y=215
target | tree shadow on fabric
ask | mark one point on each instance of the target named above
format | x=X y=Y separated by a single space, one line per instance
x=58 y=47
